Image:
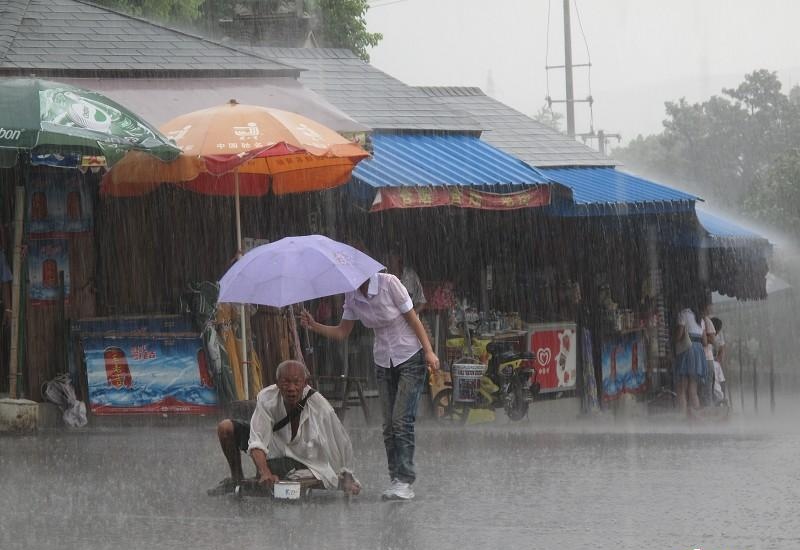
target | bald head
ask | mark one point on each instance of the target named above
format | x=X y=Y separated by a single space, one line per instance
x=292 y=377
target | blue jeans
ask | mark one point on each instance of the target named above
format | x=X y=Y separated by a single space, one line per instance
x=400 y=388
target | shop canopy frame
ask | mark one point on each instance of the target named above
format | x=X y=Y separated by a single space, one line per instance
x=440 y=169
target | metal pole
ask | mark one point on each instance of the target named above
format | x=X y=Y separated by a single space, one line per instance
x=741 y=361
x=568 y=71
x=16 y=287
x=242 y=320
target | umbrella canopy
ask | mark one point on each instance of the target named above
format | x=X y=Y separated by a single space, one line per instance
x=50 y=117
x=261 y=147
x=296 y=269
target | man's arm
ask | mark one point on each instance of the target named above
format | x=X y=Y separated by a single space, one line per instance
x=260 y=437
x=265 y=475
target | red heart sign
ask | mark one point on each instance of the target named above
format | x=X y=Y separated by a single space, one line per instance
x=543 y=356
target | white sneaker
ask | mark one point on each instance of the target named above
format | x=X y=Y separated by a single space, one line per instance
x=399 y=491
x=390 y=491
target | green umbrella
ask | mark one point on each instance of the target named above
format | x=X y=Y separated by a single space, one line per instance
x=44 y=117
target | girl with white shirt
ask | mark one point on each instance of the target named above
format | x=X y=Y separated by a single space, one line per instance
x=401 y=353
x=690 y=364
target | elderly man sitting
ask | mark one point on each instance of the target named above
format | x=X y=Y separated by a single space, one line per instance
x=293 y=428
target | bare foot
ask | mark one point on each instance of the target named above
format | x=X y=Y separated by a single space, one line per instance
x=349 y=484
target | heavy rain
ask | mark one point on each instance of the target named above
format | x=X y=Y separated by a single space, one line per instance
x=399 y=274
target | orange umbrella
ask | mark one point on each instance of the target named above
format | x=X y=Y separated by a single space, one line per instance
x=239 y=150
x=267 y=148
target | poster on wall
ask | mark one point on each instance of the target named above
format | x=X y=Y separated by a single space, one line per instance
x=623 y=360
x=46 y=257
x=555 y=356
x=148 y=374
x=59 y=201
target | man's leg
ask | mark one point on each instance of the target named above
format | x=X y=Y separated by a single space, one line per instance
x=227 y=432
x=233 y=436
x=387 y=390
x=409 y=389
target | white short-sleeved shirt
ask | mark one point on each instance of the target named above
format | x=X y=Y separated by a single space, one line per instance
x=686 y=319
x=382 y=310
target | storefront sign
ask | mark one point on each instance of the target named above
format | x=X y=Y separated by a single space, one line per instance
x=555 y=356
x=148 y=374
x=623 y=359
x=460 y=197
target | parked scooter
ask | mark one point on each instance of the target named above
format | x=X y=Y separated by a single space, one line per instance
x=509 y=382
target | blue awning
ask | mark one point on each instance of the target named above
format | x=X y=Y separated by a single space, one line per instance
x=601 y=191
x=415 y=160
x=724 y=232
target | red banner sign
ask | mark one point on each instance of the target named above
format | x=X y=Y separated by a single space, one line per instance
x=460 y=197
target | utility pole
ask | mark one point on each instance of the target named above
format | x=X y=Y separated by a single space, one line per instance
x=568 y=66
x=568 y=71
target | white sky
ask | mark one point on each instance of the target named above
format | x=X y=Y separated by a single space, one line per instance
x=643 y=52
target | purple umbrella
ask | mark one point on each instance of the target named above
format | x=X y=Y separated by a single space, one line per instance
x=296 y=269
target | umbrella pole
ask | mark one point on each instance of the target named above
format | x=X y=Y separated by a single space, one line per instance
x=16 y=298
x=242 y=324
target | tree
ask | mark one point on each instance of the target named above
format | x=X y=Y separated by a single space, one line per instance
x=175 y=11
x=343 y=25
x=776 y=195
x=337 y=23
x=721 y=146
x=549 y=117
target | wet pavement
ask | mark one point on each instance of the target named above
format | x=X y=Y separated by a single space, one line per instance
x=597 y=484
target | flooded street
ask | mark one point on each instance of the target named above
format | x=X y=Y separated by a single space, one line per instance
x=585 y=484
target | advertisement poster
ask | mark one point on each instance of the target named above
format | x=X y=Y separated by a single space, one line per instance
x=58 y=202
x=623 y=360
x=46 y=257
x=148 y=374
x=555 y=351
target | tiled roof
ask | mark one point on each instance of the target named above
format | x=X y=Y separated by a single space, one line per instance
x=74 y=37
x=383 y=102
x=369 y=95
x=517 y=133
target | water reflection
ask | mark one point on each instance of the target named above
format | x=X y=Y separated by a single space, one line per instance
x=600 y=484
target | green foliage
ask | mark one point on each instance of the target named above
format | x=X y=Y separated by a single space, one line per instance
x=722 y=147
x=548 y=117
x=177 y=11
x=776 y=197
x=343 y=25
x=338 y=23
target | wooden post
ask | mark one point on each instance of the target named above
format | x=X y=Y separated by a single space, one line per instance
x=16 y=295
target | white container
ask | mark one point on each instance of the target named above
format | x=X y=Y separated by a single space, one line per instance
x=466 y=381
x=18 y=416
x=286 y=490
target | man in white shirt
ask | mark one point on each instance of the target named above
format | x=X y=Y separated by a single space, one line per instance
x=293 y=427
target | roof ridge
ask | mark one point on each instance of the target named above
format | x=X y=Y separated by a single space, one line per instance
x=7 y=37
x=179 y=31
x=305 y=53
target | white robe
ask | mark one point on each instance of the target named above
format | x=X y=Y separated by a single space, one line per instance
x=321 y=442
